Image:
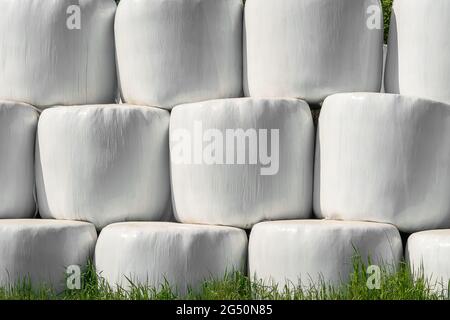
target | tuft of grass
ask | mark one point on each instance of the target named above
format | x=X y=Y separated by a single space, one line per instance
x=397 y=284
x=24 y=290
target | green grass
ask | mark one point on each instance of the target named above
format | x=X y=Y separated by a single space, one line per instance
x=397 y=285
x=387 y=6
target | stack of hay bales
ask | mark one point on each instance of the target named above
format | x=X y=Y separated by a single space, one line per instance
x=172 y=177
x=47 y=61
x=385 y=157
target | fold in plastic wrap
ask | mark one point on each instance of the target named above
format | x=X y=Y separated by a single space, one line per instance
x=103 y=164
x=310 y=49
x=57 y=52
x=153 y=253
x=384 y=158
x=418 y=59
x=240 y=161
x=383 y=89
x=18 y=123
x=310 y=253
x=428 y=254
x=39 y=251
x=178 y=51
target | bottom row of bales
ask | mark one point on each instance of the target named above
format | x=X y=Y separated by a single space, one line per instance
x=289 y=254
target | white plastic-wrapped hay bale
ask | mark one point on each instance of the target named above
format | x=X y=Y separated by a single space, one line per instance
x=418 y=59
x=428 y=254
x=57 y=52
x=103 y=164
x=313 y=253
x=384 y=158
x=179 y=51
x=18 y=123
x=38 y=252
x=181 y=255
x=240 y=161
x=310 y=49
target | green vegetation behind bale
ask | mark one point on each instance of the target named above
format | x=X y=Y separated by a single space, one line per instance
x=387 y=6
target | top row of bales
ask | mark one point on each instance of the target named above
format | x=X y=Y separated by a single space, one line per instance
x=168 y=52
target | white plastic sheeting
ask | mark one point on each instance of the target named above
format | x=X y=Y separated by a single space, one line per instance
x=312 y=48
x=383 y=89
x=240 y=161
x=57 y=51
x=18 y=123
x=40 y=251
x=428 y=254
x=418 y=60
x=179 y=51
x=316 y=252
x=384 y=158
x=151 y=253
x=103 y=164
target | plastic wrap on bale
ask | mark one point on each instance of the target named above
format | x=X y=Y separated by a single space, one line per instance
x=383 y=158
x=237 y=162
x=57 y=52
x=103 y=164
x=18 y=123
x=178 y=51
x=310 y=49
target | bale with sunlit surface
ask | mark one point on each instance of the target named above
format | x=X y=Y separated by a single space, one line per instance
x=103 y=164
x=18 y=123
x=240 y=161
x=313 y=253
x=384 y=158
x=310 y=49
x=38 y=252
x=57 y=52
x=418 y=59
x=178 y=51
x=428 y=254
x=154 y=254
